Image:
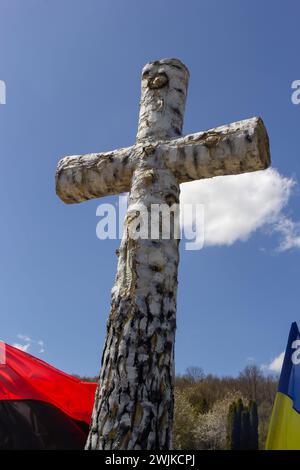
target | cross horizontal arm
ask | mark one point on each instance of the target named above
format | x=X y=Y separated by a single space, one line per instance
x=83 y=177
x=237 y=148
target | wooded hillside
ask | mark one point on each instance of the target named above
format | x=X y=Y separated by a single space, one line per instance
x=202 y=406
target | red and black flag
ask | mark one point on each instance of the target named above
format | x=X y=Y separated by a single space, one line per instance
x=40 y=406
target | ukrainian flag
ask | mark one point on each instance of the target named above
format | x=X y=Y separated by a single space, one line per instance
x=284 y=428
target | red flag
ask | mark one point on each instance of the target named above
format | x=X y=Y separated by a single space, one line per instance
x=24 y=378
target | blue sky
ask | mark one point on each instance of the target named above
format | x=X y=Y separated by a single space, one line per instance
x=72 y=72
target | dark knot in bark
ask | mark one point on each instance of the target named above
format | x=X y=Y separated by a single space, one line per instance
x=149 y=149
x=158 y=81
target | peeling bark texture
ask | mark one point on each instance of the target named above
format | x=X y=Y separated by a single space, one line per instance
x=83 y=177
x=134 y=403
x=164 y=89
x=134 y=400
x=237 y=148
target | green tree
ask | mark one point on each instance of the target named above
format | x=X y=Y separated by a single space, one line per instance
x=253 y=425
x=245 y=429
x=230 y=425
x=239 y=411
x=242 y=426
x=233 y=427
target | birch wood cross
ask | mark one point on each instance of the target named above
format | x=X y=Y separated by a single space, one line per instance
x=134 y=400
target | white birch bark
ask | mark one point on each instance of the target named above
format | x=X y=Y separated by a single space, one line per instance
x=233 y=149
x=134 y=400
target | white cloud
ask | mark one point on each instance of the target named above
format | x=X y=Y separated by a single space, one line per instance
x=24 y=338
x=41 y=345
x=275 y=365
x=290 y=233
x=29 y=343
x=22 y=347
x=236 y=206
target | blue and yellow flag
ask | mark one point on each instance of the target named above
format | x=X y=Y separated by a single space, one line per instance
x=284 y=428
